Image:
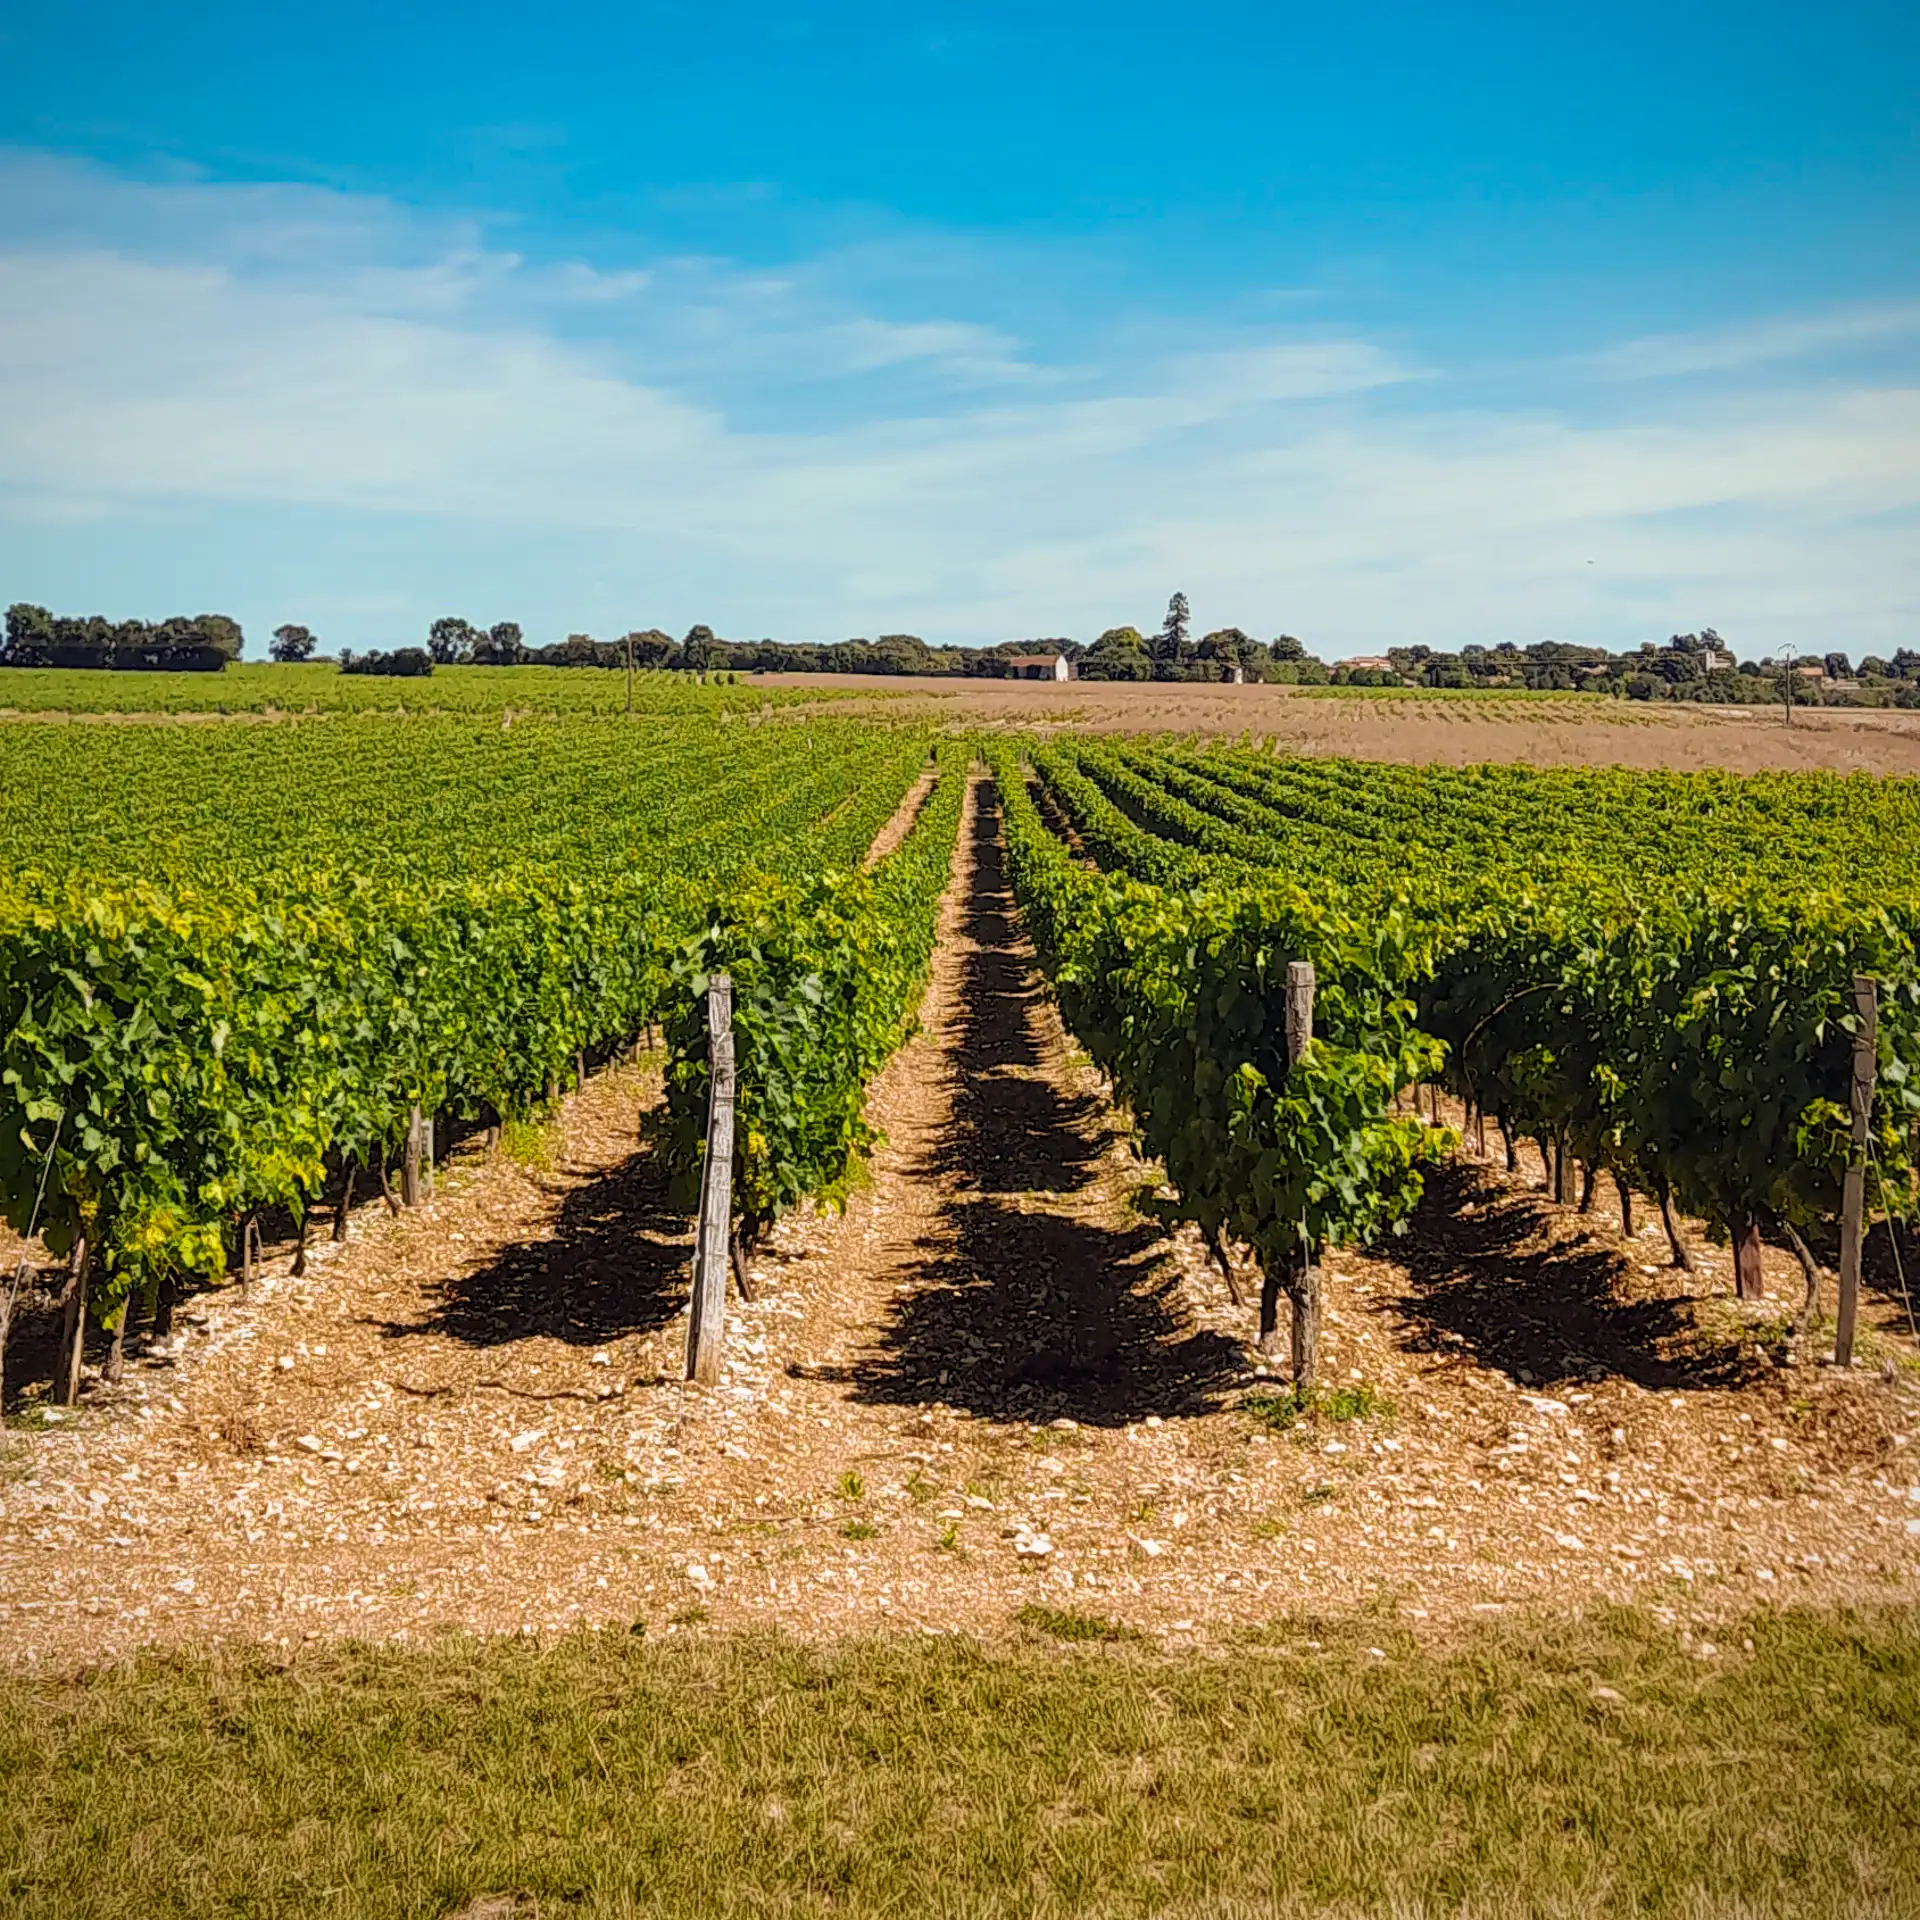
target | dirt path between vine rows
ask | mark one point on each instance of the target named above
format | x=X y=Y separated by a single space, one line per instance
x=993 y=1384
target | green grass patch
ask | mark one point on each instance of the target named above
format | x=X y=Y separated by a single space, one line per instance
x=1586 y=1767
x=531 y=1143
x=1316 y=1406
x=859 y=1530
x=1071 y=1625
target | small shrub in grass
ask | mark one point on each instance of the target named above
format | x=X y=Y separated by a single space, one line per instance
x=859 y=1530
x=1068 y=1623
x=1316 y=1406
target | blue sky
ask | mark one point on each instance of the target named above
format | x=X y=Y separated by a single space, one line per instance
x=1372 y=324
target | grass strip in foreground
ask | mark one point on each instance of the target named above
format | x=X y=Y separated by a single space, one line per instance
x=1587 y=1768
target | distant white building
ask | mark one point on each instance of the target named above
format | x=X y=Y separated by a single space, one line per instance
x=1039 y=666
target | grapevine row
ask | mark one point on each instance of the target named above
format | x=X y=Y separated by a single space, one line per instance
x=1696 y=1040
x=827 y=972
x=190 y=1054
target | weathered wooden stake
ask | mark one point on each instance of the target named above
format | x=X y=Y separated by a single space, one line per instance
x=1303 y=1283
x=712 y=1251
x=410 y=1160
x=1853 y=1193
x=74 y=1327
x=1749 y=1275
x=428 y=1155
x=1299 y=1009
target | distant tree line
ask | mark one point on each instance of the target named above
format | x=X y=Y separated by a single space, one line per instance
x=453 y=642
x=1688 y=666
x=200 y=643
x=1125 y=653
x=403 y=663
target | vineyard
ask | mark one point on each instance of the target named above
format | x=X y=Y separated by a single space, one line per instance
x=245 y=968
x=319 y=686
x=1653 y=976
x=1383 y=1227
x=240 y=969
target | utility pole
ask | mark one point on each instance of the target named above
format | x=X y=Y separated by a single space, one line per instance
x=1786 y=678
x=629 y=673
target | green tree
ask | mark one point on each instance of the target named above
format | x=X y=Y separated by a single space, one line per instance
x=449 y=641
x=1170 y=647
x=1228 y=647
x=29 y=641
x=1119 y=654
x=653 y=649
x=292 y=643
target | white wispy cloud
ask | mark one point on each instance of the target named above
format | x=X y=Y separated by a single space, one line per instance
x=1756 y=343
x=794 y=457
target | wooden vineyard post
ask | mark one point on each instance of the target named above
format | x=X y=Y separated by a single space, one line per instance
x=713 y=1245
x=1304 y=1292
x=410 y=1161
x=1303 y=1284
x=74 y=1324
x=1853 y=1194
x=1299 y=1009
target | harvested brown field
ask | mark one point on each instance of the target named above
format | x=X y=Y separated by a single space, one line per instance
x=1445 y=729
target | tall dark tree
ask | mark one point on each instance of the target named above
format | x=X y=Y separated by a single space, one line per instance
x=292 y=643
x=1169 y=647
x=653 y=649
x=500 y=646
x=29 y=635
x=449 y=641
x=1288 y=648
x=696 y=650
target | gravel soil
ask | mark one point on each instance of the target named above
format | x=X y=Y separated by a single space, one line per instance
x=994 y=1382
